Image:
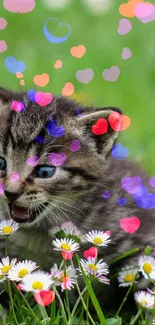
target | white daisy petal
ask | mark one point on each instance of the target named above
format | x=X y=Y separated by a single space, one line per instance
x=8 y=227
x=65 y=244
x=98 y=238
x=126 y=276
x=36 y=281
x=147 y=266
x=144 y=299
x=6 y=265
x=21 y=269
x=97 y=269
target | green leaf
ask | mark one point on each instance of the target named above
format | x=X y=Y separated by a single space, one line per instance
x=114 y=321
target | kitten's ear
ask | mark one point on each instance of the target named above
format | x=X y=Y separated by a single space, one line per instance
x=101 y=126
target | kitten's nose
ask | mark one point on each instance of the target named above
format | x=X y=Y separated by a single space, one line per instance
x=12 y=195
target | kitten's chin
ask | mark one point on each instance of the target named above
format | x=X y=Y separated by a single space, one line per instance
x=21 y=214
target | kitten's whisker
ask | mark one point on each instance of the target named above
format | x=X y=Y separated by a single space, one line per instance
x=43 y=210
x=60 y=210
x=62 y=197
x=52 y=213
x=72 y=206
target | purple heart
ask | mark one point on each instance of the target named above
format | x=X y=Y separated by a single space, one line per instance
x=152 y=181
x=33 y=161
x=124 y=26
x=55 y=130
x=106 y=195
x=57 y=158
x=131 y=184
x=126 y=53
x=75 y=145
x=111 y=74
x=119 y=152
x=84 y=76
x=14 y=177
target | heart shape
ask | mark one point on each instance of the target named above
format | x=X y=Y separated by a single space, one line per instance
x=14 y=177
x=126 y=53
x=143 y=10
x=3 y=46
x=78 y=51
x=57 y=158
x=53 y=39
x=84 y=76
x=41 y=80
x=100 y=127
x=149 y=18
x=111 y=74
x=44 y=298
x=119 y=122
x=127 y=9
x=13 y=65
x=119 y=152
x=17 y=106
x=58 y=64
x=75 y=145
x=130 y=225
x=67 y=255
x=55 y=130
x=68 y=89
x=33 y=161
x=91 y=252
x=3 y=23
x=22 y=7
x=43 y=99
x=131 y=184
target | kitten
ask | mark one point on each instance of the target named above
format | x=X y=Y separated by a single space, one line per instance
x=47 y=195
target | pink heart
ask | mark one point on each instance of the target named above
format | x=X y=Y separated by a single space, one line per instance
x=33 y=161
x=91 y=252
x=43 y=99
x=57 y=159
x=14 y=177
x=143 y=10
x=21 y=6
x=17 y=106
x=66 y=255
x=3 y=46
x=44 y=298
x=3 y=23
x=111 y=74
x=126 y=53
x=130 y=225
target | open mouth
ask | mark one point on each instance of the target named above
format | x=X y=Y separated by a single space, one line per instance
x=22 y=214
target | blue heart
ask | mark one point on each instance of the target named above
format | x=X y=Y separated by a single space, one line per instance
x=119 y=152
x=13 y=65
x=54 y=39
x=55 y=130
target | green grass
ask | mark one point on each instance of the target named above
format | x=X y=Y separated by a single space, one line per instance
x=133 y=92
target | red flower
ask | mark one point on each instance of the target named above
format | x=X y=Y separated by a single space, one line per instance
x=44 y=298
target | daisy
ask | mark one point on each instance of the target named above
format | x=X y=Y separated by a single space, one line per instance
x=56 y=274
x=21 y=269
x=6 y=265
x=7 y=227
x=147 y=266
x=37 y=281
x=65 y=244
x=127 y=276
x=68 y=278
x=98 y=238
x=91 y=267
x=144 y=299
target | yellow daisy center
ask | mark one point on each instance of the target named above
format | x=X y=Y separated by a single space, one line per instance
x=98 y=241
x=66 y=247
x=37 y=285
x=7 y=230
x=5 y=268
x=145 y=302
x=147 y=267
x=92 y=266
x=22 y=273
x=128 y=277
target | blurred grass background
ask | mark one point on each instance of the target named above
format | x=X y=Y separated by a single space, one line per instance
x=133 y=92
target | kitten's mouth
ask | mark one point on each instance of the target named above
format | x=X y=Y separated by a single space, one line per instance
x=22 y=214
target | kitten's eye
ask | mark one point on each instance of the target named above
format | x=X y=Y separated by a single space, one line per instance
x=45 y=171
x=2 y=164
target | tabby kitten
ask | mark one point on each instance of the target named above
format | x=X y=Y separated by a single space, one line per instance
x=45 y=194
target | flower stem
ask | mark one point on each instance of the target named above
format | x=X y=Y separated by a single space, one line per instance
x=32 y=312
x=124 y=300
x=66 y=292
x=136 y=317
x=11 y=299
x=62 y=306
x=76 y=305
x=126 y=254
x=6 y=246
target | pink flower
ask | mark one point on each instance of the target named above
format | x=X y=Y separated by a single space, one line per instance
x=67 y=255
x=44 y=298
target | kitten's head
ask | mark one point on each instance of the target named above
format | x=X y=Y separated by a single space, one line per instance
x=51 y=154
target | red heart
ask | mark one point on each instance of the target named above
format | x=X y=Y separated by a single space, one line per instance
x=67 y=255
x=130 y=225
x=91 y=252
x=119 y=122
x=100 y=127
x=44 y=298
